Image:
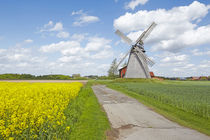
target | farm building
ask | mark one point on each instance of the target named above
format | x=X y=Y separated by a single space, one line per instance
x=122 y=72
x=151 y=74
x=195 y=78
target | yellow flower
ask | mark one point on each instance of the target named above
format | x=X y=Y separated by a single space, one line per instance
x=11 y=138
x=28 y=106
x=67 y=128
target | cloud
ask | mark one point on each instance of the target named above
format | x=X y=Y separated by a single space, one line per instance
x=62 y=46
x=79 y=37
x=19 y=60
x=63 y=34
x=50 y=26
x=134 y=3
x=96 y=43
x=177 y=27
x=56 y=28
x=80 y=12
x=28 y=41
x=174 y=58
x=197 y=52
x=84 y=18
x=25 y=42
x=75 y=56
x=205 y=64
x=104 y=54
x=95 y=48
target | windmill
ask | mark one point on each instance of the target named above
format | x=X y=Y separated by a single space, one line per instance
x=138 y=62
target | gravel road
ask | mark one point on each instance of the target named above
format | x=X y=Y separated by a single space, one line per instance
x=132 y=120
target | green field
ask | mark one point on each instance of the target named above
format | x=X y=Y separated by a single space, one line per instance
x=90 y=122
x=186 y=102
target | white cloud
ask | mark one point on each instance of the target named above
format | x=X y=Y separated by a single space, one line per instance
x=177 y=27
x=62 y=46
x=95 y=48
x=79 y=37
x=175 y=58
x=19 y=60
x=75 y=56
x=28 y=41
x=84 y=18
x=104 y=54
x=77 y=12
x=25 y=42
x=63 y=34
x=70 y=59
x=133 y=3
x=57 y=27
x=2 y=51
x=50 y=26
x=197 y=52
x=96 y=43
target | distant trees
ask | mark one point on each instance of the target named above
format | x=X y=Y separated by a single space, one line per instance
x=33 y=77
x=16 y=76
x=113 y=72
x=203 y=78
x=76 y=76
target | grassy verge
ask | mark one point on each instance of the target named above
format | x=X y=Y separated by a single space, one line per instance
x=173 y=113
x=90 y=122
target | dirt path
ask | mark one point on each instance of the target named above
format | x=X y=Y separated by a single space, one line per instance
x=132 y=120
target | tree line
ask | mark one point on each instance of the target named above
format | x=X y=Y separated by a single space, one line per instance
x=33 y=77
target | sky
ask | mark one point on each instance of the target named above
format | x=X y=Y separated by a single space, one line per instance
x=67 y=37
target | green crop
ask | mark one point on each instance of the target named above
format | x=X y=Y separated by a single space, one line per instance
x=189 y=96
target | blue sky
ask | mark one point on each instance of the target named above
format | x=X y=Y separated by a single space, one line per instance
x=67 y=37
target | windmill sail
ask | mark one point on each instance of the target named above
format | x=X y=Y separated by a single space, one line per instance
x=146 y=58
x=123 y=37
x=123 y=58
x=145 y=34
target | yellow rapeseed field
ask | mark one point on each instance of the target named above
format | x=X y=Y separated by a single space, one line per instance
x=31 y=108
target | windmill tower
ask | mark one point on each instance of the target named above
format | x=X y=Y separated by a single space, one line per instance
x=138 y=62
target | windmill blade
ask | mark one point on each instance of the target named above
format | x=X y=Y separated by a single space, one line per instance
x=123 y=58
x=145 y=57
x=145 y=34
x=148 y=60
x=124 y=37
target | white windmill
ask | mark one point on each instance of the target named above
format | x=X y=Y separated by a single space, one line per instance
x=138 y=62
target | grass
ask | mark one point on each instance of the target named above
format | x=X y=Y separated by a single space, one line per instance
x=185 y=102
x=92 y=121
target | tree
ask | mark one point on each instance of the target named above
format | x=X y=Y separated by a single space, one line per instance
x=113 y=72
x=76 y=76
